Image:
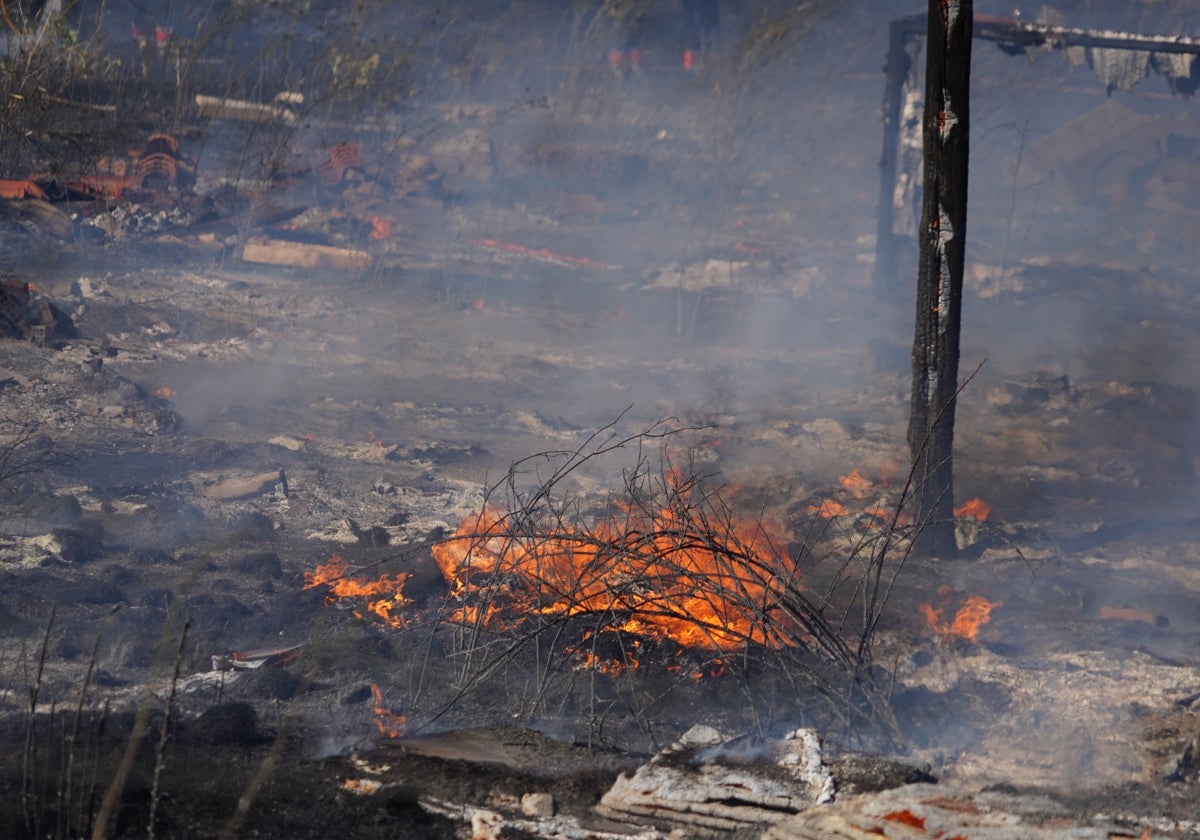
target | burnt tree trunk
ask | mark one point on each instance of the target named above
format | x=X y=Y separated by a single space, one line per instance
x=942 y=238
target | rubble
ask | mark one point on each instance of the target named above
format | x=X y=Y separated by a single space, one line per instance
x=926 y=810
x=28 y=315
x=707 y=782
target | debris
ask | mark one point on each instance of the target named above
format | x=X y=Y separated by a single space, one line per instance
x=537 y=805
x=222 y=108
x=158 y=166
x=707 y=782
x=239 y=488
x=21 y=189
x=252 y=660
x=362 y=787
x=304 y=255
x=343 y=158
x=486 y=824
x=27 y=315
x=40 y=218
x=926 y=810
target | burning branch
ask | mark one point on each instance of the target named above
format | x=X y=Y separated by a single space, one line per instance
x=667 y=565
x=665 y=570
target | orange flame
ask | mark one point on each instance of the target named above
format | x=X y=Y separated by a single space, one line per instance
x=165 y=392
x=975 y=612
x=381 y=228
x=612 y=667
x=391 y=725
x=855 y=484
x=976 y=509
x=828 y=509
x=698 y=590
x=391 y=587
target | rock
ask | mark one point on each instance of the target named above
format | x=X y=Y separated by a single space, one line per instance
x=242 y=487
x=537 y=805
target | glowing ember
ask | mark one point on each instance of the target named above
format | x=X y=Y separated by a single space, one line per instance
x=391 y=725
x=390 y=587
x=165 y=392
x=612 y=667
x=828 y=509
x=381 y=228
x=976 y=509
x=857 y=486
x=975 y=612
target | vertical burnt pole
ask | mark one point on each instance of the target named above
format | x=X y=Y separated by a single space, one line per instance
x=895 y=72
x=942 y=238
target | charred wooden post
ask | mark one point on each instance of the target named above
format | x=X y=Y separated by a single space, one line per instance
x=942 y=238
x=896 y=75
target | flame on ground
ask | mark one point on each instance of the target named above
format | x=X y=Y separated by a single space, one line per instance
x=385 y=596
x=976 y=509
x=701 y=586
x=855 y=484
x=975 y=612
x=828 y=509
x=391 y=725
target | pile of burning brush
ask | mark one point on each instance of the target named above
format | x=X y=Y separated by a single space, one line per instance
x=666 y=573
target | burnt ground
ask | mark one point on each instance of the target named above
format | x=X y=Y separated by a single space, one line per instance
x=665 y=245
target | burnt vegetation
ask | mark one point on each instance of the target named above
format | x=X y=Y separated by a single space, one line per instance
x=317 y=317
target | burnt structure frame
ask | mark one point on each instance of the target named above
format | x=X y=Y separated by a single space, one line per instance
x=1013 y=35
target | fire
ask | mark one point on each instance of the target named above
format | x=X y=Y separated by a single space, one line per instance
x=391 y=587
x=683 y=575
x=699 y=590
x=976 y=509
x=613 y=667
x=165 y=392
x=381 y=228
x=391 y=725
x=828 y=509
x=975 y=612
x=857 y=486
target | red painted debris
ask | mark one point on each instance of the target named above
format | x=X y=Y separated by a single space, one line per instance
x=21 y=189
x=342 y=158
